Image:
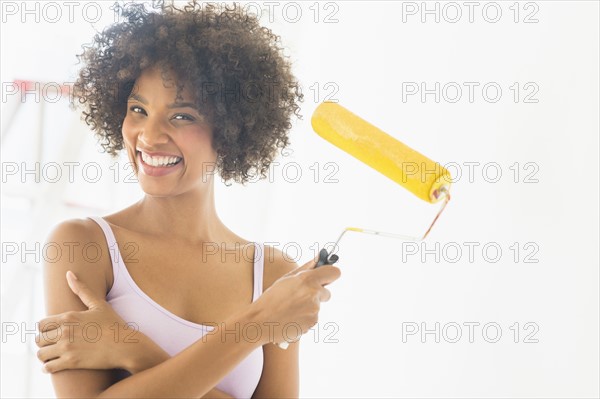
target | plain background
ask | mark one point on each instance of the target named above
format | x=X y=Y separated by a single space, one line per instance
x=365 y=57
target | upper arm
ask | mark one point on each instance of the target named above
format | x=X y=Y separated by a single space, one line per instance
x=280 y=374
x=82 y=249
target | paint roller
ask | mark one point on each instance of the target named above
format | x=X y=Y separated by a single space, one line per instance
x=415 y=172
x=426 y=179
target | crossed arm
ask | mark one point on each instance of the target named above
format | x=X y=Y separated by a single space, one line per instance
x=154 y=372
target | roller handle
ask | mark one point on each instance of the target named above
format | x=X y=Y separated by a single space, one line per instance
x=324 y=259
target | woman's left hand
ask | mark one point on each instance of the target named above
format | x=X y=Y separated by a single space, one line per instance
x=97 y=338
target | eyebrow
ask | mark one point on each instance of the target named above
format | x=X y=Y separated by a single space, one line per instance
x=183 y=105
x=141 y=99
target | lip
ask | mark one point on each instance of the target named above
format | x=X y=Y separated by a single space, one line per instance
x=156 y=171
x=158 y=154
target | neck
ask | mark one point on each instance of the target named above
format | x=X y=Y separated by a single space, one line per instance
x=190 y=217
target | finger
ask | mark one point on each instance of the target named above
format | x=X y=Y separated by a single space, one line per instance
x=325 y=274
x=49 y=323
x=48 y=338
x=58 y=364
x=325 y=284
x=84 y=293
x=48 y=353
x=324 y=295
x=307 y=266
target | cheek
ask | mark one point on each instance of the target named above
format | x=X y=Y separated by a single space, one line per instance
x=127 y=129
x=199 y=145
x=128 y=133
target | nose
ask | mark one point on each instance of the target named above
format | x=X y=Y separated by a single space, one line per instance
x=153 y=134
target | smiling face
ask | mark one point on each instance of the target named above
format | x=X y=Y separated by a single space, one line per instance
x=168 y=139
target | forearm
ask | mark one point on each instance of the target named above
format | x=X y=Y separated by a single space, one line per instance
x=194 y=371
x=216 y=394
x=146 y=354
x=150 y=355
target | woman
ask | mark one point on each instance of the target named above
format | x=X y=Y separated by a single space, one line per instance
x=185 y=92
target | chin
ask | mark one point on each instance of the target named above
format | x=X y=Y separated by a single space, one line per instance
x=157 y=190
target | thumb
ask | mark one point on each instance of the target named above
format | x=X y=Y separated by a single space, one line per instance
x=307 y=266
x=79 y=288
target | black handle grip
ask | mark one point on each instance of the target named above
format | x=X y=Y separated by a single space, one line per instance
x=325 y=259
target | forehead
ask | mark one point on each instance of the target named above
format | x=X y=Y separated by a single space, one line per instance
x=154 y=81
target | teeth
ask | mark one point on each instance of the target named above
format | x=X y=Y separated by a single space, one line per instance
x=159 y=161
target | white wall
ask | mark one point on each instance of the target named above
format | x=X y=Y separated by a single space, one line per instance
x=371 y=55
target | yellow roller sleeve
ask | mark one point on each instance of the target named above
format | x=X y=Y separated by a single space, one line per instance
x=352 y=134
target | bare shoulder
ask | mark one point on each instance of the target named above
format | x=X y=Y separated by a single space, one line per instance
x=276 y=265
x=75 y=230
x=80 y=246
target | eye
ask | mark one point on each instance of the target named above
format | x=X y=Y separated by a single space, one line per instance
x=137 y=110
x=184 y=117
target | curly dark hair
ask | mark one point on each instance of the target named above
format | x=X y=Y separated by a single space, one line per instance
x=235 y=67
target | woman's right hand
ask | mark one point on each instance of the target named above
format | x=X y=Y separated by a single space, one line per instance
x=290 y=306
x=65 y=341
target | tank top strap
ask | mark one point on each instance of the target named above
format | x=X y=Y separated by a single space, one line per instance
x=259 y=256
x=113 y=249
